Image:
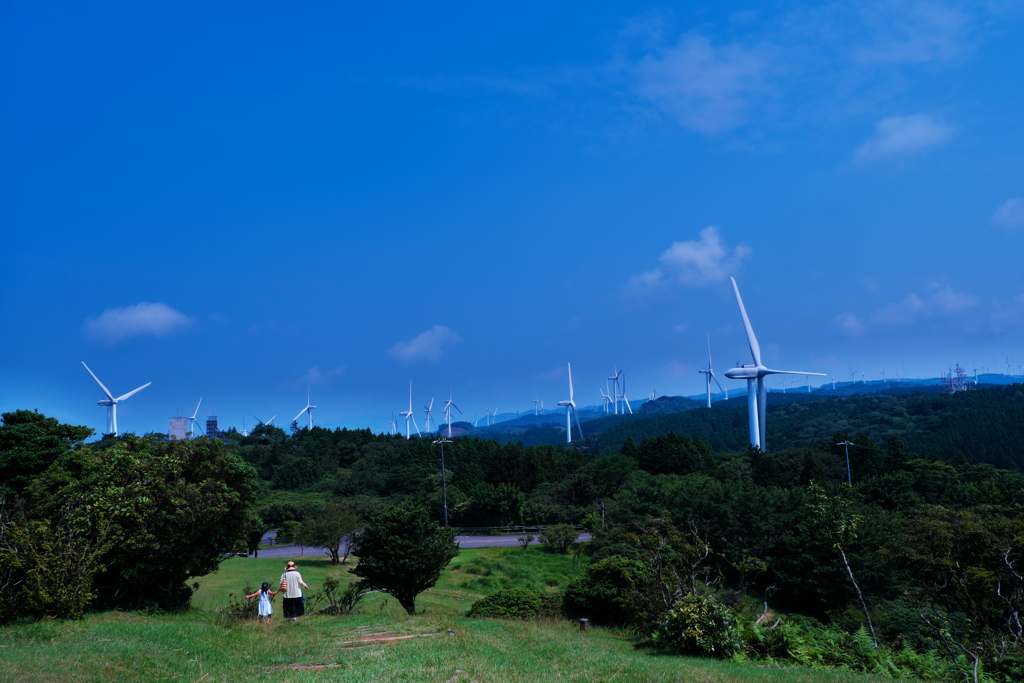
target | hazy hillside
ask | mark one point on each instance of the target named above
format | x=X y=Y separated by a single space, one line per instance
x=984 y=424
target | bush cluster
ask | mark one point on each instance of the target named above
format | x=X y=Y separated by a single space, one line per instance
x=513 y=603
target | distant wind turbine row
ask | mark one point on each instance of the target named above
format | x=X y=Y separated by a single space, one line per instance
x=613 y=396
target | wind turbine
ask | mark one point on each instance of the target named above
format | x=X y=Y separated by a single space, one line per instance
x=426 y=409
x=623 y=394
x=308 y=410
x=605 y=398
x=394 y=425
x=408 y=415
x=615 y=387
x=757 y=393
x=570 y=405
x=110 y=402
x=536 y=405
x=709 y=375
x=268 y=422
x=193 y=421
x=448 y=405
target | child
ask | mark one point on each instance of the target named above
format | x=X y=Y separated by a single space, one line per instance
x=264 y=592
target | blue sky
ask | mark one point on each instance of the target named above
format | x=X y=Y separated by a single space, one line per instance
x=240 y=200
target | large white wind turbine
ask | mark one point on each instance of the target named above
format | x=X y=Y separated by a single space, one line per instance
x=709 y=375
x=192 y=420
x=757 y=393
x=570 y=405
x=448 y=405
x=110 y=402
x=408 y=415
x=308 y=410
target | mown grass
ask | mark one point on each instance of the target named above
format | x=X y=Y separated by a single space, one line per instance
x=200 y=645
x=196 y=646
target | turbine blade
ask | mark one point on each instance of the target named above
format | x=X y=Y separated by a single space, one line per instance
x=300 y=414
x=791 y=372
x=105 y=390
x=197 y=408
x=134 y=391
x=718 y=383
x=569 y=365
x=578 y=427
x=755 y=348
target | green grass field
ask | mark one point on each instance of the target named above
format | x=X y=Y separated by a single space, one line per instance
x=202 y=646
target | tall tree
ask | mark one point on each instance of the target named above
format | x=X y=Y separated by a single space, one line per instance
x=403 y=552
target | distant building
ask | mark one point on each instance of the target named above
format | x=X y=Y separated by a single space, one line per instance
x=178 y=431
x=212 y=431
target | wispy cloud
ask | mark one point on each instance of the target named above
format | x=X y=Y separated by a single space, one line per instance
x=914 y=31
x=695 y=262
x=939 y=300
x=810 y=64
x=1010 y=214
x=428 y=345
x=897 y=136
x=677 y=369
x=705 y=87
x=317 y=376
x=143 y=319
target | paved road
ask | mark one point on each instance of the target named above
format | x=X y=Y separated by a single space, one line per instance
x=495 y=541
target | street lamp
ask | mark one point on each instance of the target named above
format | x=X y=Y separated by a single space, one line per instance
x=444 y=481
x=846 y=446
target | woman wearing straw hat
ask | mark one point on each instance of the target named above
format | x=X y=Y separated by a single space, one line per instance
x=291 y=581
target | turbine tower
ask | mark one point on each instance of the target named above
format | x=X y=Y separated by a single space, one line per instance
x=623 y=394
x=194 y=422
x=110 y=402
x=570 y=405
x=757 y=392
x=426 y=409
x=308 y=410
x=709 y=375
x=614 y=379
x=408 y=415
x=448 y=405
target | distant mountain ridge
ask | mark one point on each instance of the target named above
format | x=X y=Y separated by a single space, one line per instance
x=985 y=423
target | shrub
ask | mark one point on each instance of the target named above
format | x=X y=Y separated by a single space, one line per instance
x=602 y=593
x=699 y=625
x=559 y=536
x=513 y=603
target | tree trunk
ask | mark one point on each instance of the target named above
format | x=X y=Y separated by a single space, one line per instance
x=863 y=605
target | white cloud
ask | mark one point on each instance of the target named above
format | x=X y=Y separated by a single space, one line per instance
x=707 y=88
x=897 y=136
x=316 y=376
x=937 y=301
x=139 y=320
x=1010 y=214
x=676 y=369
x=427 y=345
x=910 y=32
x=850 y=324
x=695 y=262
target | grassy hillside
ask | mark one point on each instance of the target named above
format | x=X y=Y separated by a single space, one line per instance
x=381 y=644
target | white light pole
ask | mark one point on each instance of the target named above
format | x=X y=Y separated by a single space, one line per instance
x=444 y=481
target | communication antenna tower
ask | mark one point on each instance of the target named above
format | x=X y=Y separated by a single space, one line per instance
x=955 y=380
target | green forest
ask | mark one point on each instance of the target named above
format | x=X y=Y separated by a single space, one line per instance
x=915 y=543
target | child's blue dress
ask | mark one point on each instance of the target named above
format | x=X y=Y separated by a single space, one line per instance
x=265 y=608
